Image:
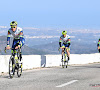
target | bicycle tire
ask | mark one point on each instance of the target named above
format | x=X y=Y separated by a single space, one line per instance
x=19 y=70
x=11 y=68
x=63 y=62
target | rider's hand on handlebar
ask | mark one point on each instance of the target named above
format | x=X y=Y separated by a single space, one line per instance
x=8 y=47
x=17 y=47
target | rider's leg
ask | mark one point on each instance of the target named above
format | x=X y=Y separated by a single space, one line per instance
x=62 y=52
x=68 y=53
x=22 y=42
x=13 y=51
x=67 y=50
x=63 y=48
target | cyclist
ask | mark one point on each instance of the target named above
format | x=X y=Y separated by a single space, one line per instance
x=98 y=45
x=66 y=43
x=17 y=33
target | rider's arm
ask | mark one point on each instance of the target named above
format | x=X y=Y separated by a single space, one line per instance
x=21 y=37
x=60 y=42
x=8 y=38
x=98 y=45
x=69 y=41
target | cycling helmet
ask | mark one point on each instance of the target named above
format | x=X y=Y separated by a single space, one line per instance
x=64 y=32
x=13 y=23
x=99 y=39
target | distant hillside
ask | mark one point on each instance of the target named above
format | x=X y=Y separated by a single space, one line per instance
x=80 y=45
x=45 y=40
x=25 y=49
x=75 y=48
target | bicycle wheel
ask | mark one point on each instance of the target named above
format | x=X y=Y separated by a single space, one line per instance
x=65 y=61
x=11 y=67
x=62 y=64
x=66 y=65
x=19 y=70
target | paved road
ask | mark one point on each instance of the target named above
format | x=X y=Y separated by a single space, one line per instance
x=83 y=77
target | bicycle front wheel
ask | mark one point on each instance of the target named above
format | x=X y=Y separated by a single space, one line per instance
x=11 y=68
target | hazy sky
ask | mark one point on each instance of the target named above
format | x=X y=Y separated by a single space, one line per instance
x=51 y=13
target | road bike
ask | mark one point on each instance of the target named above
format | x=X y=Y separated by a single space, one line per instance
x=64 y=59
x=15 y=63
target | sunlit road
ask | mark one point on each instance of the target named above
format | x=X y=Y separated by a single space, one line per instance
x=81 y=77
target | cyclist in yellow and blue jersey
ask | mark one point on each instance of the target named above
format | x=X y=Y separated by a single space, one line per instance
x=98 y=45
x=18 y=39
x=64 y=43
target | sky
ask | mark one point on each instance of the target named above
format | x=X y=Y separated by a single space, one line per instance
x=51 y=13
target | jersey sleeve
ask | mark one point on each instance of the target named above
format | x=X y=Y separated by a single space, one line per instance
x=98 y=43
x=68 y=37
x=68 y=40
x=60 y=40
x=21 y=36
x=8 y=37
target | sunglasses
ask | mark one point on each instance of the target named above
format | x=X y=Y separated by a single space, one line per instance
x=13 y=26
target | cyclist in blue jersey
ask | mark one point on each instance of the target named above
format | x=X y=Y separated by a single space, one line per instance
x=18 y=39
x=65 y=40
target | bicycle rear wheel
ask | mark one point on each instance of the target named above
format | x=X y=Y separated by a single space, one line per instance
x=62 y=63
x=19 y=70
x=65 y=62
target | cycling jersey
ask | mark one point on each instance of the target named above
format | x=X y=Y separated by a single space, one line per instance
x=16 y=34
x=64 y=39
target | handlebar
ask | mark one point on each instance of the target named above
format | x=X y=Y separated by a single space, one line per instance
x=8 y=49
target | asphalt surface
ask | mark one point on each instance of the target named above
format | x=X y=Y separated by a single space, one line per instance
x=77 y=77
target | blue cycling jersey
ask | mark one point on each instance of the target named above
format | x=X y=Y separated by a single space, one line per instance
x=16 y=34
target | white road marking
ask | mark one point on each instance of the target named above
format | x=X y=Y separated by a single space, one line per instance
x=65 y=84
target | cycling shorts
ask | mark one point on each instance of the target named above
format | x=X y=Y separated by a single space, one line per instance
x=15 y=41
x=66 y=45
